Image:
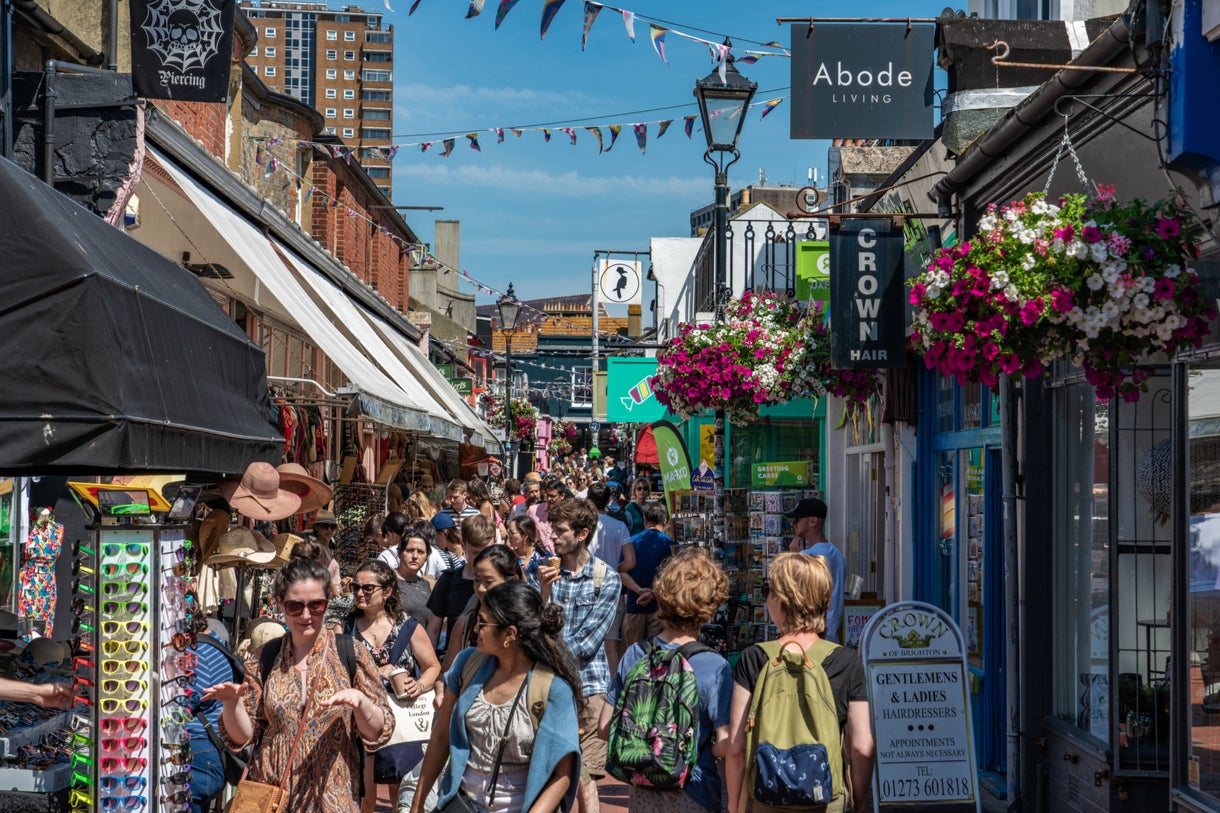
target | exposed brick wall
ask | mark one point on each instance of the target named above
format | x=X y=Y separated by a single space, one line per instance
x=208 y=121
x=265 y=121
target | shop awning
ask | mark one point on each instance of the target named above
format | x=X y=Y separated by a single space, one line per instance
x=434 y=382
x=115 y=358
x=378 y=396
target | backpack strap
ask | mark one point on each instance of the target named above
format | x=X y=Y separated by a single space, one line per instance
x=693 y=648
x=347 y=655
x=600 y=568
x=469 y=669
x=539 y=691
x=403 y=642
x=267 y=656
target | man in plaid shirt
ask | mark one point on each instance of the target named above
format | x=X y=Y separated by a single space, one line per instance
x=587 y=591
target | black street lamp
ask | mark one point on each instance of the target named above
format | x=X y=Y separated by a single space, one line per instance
x=723 y=105
x=510 y=310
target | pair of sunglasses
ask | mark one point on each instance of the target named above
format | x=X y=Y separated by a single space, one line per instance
x=124 y=607
x=131 y=706
x=123 y=764
x=130 y=588
x=117 y=725
x=129 y=627
x=112 y=569
x=124 y=686
x=113 y=783
x=110 y=803
x=131 y=667
x=128 y=744
x=112 y=550
x=130 y=647
x=181 y=641
x=295 y=607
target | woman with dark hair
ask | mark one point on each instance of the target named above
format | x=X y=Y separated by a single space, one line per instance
x=378 y=622
x=496 y=756
x=415 y=587
x=494 y=565
x=308 y=676
x=522 y=537
x=479 y=496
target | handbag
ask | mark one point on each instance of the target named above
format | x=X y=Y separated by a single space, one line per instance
x=258 y=797
x=412 y=722
x=461 y=803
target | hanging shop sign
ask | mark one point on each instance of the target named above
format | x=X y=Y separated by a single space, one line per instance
x=813 y=270
x=862 y=81
x=775 y=475
x=867 y=316
x=181 y=50
x=619 y=281
x=629 y=395
x=672 y=458
x=917 y=683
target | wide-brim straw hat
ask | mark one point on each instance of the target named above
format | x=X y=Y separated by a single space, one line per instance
x=243 y=546
x=284 y=543
x=324 y=516
x=259 y=495
x=313 y=492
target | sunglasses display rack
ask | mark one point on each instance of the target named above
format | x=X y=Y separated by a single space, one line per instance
x=178 y=606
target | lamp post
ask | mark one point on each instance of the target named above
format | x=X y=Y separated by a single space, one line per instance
x=510 y=309
x=723 y=104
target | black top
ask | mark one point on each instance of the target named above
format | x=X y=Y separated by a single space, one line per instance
x=450 y=595
x=843 y=669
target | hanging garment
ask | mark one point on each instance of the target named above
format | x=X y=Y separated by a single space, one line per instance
x=36 y=599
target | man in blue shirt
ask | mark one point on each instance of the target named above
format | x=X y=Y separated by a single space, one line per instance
x=640 y=561
x=207 y=773
x=809 y=523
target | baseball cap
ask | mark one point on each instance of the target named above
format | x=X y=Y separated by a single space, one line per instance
x=443 y=521
x=808 y=507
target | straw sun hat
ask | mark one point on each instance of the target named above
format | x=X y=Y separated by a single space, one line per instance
x=258 y=495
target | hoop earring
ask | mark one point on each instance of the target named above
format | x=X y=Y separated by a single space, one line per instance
x=507 y=644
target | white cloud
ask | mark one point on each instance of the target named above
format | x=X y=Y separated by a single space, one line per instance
x=572 y=184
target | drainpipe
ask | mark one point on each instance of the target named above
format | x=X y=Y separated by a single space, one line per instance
x=112 y=39
x=48 y=123
x=6 y=82
x=53 y=26
x=1009 y=401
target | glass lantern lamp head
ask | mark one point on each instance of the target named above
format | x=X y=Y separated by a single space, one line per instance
x=510 y=309
x=723 y=104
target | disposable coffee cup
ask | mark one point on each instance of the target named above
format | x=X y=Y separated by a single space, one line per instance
x=398 y=681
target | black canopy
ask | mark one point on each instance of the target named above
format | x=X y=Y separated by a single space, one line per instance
x=115 y=359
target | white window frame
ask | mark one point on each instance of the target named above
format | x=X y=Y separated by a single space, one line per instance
x=331 y=93
x=269 y=33
x=349 y=113
x=332 y=53
x=332 y=73
x=332 y=36
x=349 y=94
x=349 y=56
x=585 y=375
x=269 y=70
x=254 y=52
x=349 y=132
x=270 y=51
x=331 y=112
x=349 y=76
x=349 y=36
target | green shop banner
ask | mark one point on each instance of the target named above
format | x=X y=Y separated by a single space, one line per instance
x=675 y=462
x=813 y=270
x=786 y=473
x=629 y=396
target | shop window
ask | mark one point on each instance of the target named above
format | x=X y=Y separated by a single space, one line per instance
x=1082 y=560
x=865 y=521
x=944 y=403
x=970 y=543
x=1203 y=596
x=770 y=440
x=973 y=396
x=944 y=566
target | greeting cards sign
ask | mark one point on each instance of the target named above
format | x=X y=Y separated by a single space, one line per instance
x=181 y=49
x=919 y=700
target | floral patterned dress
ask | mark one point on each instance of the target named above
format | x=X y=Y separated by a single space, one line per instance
x=325 y=776
x=36 y=600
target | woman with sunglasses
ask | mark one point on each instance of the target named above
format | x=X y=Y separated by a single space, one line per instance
x=493 y=566
x=522 y=537
x=378 y=622
x=641 y=488
x=308 y=675
x=496 y=756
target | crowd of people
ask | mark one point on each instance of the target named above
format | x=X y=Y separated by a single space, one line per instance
x=521 y=613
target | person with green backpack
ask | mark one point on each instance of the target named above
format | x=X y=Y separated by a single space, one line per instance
x=667 y=710
x=801 y=737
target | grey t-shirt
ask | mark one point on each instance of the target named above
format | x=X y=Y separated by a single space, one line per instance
x=415 y=598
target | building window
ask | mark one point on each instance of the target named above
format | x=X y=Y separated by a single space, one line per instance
x=331 y=73
x=348 y=132
x=377 y=115
x=331 y=93
x=349 y=113
x=378 y=56
x=378 y=172
x=349 y=36
x=269 y=70
x=332 y=35
x=376 y=76
x=331 y=53
x=349 y=56
x=269 y=33
x=376 y=95
x=331 y=112
x=383 y=37
x=254 y=52
x=270 y=51
x=375 y=133
x=349 y=94
x=328 y=131
x=349 y=76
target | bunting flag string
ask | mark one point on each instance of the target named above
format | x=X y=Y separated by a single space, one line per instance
x=591 y=12
x=348 y=154
x=629 y=22
x=658 y=40
x=476 y=8
x=502 y=12
x=549 y=9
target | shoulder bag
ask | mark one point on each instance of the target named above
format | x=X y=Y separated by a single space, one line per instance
x=461 y=803
x=257 y=797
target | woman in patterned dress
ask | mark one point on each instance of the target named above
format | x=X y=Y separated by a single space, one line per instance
x=325 y=776
x=376 y=622
x=36 y=599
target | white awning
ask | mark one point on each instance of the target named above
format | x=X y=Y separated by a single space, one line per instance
x=435 y=383
x=379 y=397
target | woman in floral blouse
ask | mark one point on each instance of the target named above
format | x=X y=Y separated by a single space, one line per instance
x=269 y=713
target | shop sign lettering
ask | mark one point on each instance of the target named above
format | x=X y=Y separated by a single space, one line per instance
x=867 y=313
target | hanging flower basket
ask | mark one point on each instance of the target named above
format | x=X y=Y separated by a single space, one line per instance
x=524 y=415
x=740 y=365
x=817 y=377
x=985 y=307
x=559 y=447
x=1136 y=295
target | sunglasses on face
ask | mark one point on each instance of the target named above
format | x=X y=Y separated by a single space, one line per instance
x=368 y=589
x=113 y=783
x=296 y=607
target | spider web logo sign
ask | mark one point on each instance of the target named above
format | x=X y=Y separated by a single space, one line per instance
x=181 y=49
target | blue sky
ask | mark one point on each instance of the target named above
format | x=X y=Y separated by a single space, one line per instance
x=533 y=212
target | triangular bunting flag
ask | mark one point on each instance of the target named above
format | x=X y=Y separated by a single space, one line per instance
x=688 y=123
x=597 y=133
x=591 y=12
x=663 y=126
x=499 y=131
x=658 y=40
x=348 y=156
x=502 y=12
x=309 y=193
x=337 y=151
x=615 y=129
x=629 y=22
x=641 y=135
x=768 y=106
x=549 y=9
x=424 y=146
x=570 y=133
x=258 y=154
x=448 y=142
x=546 y=134
x=474 y=141
x=476 y=8
x=515 y=131
x=391 y=152
x=414 y=6
x=772 y=45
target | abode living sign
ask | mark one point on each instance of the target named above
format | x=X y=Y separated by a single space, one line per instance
x=871 y=80
x=919 y=698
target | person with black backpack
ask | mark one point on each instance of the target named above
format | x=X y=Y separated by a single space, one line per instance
x=667 y=710
x=212 y=765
